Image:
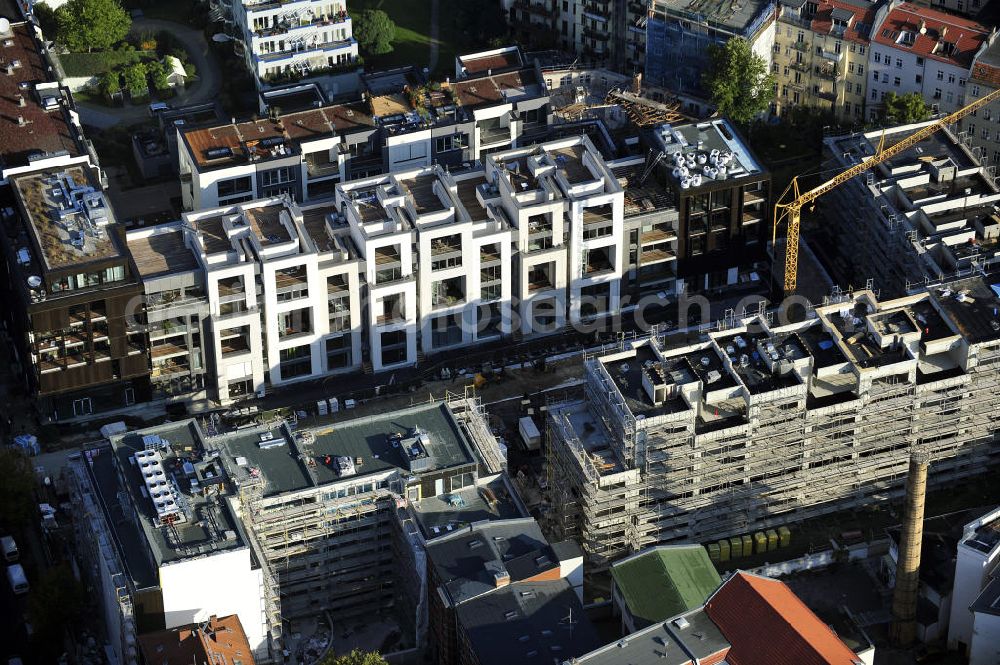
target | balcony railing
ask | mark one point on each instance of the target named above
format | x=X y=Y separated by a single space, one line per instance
x=288 y=26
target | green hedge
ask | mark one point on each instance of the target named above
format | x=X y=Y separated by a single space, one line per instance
x=93 y=64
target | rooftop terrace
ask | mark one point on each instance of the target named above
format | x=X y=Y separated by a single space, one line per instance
x=161 y=253
x=69 y=216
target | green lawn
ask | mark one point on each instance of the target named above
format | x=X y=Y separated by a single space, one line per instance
x=464 y=27
x=413 y=25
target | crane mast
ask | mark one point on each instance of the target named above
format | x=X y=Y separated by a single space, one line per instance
x=791 y=213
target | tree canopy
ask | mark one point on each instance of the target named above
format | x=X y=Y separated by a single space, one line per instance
x=17 y=489
x=374 y=31
x=86 y=25
x=738 y=81
x=904 y=109
x=356 y=657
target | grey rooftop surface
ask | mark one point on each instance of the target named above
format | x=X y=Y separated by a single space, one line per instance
x=290 y=461
x=974 y=317
x=671 y=642
x=530 y=622
x=735 y=16
x=208 y=526
x=988 y=601
x=439 y=515
x=467 y=559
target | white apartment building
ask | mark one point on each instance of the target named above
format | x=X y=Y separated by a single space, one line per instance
x=288 y=41
x=922 y=50
x=566 y=208
x=303 y=154
x=437 y=262
x=282 y=288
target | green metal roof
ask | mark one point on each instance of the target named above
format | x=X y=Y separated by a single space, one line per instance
x=665 y=581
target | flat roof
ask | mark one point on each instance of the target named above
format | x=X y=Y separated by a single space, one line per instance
x=207 y=525
x=266 y=223
x=308 y=458
x=161 y=253
x=732 y=15
x=477 y=63
x=69 y=215
x=467 y=559
x=467 y=197
x=691 y=150
x=44 y=130
x=420 y=188
x=528 y=622
x=672 y=642
x=224 y=145
x=971 y=314
x=665 y=581
x=507 y=87
x=642 y=196
x=986 y=536
x=988 y=602
x=439 y=515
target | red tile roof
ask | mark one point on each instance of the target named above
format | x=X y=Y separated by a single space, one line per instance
x=220 y=639
x=767 y=624
x=966 y=35
x=822 y=21
x=485 y=63
x=21 y=67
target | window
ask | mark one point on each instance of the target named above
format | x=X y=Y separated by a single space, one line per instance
x=847 y=108
x=801 y=37
x=875 y=76
x=899 y=63
x=861 y=70
x=996 y=156
x=918 y=79
x=277 y=176
x=975 y=91
x=986 y=133
x=972 y=130
x=234 y=186
x=949 y=97
x=775 y=68
x=920 y=62
x=874 y=96
x=878 y=58
x=850 y=67
x=861 y=50
x=454 y=142
x=895 y=81
x=836 y=47
x=940 y=75
x=987 y=114
x=937 y=93
x=961 y=83
x=951 y=78
x=795 y=98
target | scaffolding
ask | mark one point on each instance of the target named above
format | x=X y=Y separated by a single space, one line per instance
x=784 y=453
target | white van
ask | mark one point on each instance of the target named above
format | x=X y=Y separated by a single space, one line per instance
x=18 y=580
x=9 y=548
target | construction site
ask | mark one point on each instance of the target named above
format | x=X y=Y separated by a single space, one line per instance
x=754 y=426
x=334 y=512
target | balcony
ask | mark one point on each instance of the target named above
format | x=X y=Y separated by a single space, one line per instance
x=829 y=73
x=657 y=235
x=290 y=53
x=494 y=135
x=800 y=67
x=799 y=46
x=169 y=368
x=828 y=95
x=657 y=254
x=286 y=26
x=543 y=9
x=319 y=165
x=832 y=56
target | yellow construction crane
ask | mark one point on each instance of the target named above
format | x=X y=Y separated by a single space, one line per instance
x=791 y=212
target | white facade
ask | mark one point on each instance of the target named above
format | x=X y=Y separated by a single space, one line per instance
x=566 y=208
x=975 y=561
x=282 y=292
x=297 y=38
x=897 y=70
x=220 y=584
x=985 y=648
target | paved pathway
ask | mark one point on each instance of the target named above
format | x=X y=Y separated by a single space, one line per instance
x=204 y=89
x=435 y=30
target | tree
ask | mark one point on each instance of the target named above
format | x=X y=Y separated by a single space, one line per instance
x=17 y=488
x=356 y=657
x=57 y=601
x=85 y=25
x=738 y=80
x=375 y=31
x=904 y=109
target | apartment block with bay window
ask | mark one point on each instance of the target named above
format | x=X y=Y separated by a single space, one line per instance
x=282 y=285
